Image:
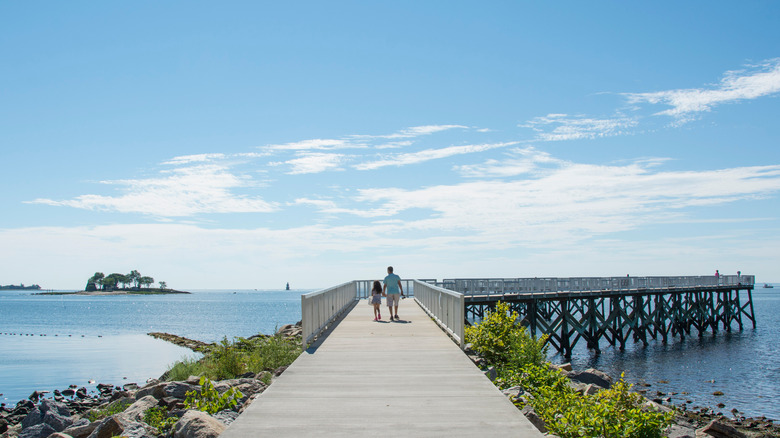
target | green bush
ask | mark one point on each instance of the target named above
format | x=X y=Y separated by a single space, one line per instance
x=610 y=413
x=209 y=400
x=505 y=343
x=157 y=417
x=228 y=359
x=111 y=409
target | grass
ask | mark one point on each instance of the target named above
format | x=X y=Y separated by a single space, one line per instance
x=112 y=409
x=230 y=359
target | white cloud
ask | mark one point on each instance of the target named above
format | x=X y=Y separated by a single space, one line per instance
x=314 y=162
x=519 y=161
x=428 y=155
x=762 y=80
x=565 y=127
x=198 y=158
x=314 y=144
x=414 y=131
x=183 y=192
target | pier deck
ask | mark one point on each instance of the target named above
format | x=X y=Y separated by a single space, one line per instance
x=369 y=378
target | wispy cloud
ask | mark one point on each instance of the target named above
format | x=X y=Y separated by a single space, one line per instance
x=199 y=158
x=314 y=144
x=185 y=191
x=315 y=162
x=755 y=81
x=518 y=161
x=405 y=159
x=414 y=131
x=558 y=127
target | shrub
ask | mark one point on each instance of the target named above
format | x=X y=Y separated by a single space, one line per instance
x=610 y=413
x=228 y=360
x=157 y=417
x=111 y=409
x=209 y=400
x=505 y=343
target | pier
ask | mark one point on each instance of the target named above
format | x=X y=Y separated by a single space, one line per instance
x=615 y=309
x=411 y=377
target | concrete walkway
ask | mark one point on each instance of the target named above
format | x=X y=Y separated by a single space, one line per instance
x=369 y=378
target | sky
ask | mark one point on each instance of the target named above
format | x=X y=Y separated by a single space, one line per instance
x=250 y=144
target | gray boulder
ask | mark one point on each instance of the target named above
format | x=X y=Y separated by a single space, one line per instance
x=179 y=389
x=226 y=416
x=537 y=421
x=592 y=376
x=135 y=429
x=135 y=412
x=59 y=435
x=41 y=430
x=197 y=424
x=157 y=390
x=677 y=431
x=719 y=430
x=81 y=430
x=108 y=428
x=57 y=421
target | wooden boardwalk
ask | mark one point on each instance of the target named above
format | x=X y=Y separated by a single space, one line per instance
x=404 y=378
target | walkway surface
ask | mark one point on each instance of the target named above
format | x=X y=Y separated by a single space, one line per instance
x=403 y=378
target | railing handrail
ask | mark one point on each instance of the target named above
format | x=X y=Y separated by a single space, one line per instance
x=445 y=306
x=471 y=286
x=320 y=308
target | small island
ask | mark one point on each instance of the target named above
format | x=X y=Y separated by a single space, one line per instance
x=121 y=284
x=20 y=287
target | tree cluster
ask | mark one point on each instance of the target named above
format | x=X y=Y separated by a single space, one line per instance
x=119 y=281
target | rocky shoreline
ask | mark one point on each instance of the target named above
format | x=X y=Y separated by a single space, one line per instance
x=689 y=422
x=76 y=413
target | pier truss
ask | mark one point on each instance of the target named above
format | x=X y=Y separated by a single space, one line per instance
x=615 y=310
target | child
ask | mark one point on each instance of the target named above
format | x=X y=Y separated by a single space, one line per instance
x=376 y=300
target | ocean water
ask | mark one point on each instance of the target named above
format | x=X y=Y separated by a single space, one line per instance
x=48 y=342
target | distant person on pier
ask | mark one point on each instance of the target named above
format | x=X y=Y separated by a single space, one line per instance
x=717 y=276
x=394 y=292
x=376 y=300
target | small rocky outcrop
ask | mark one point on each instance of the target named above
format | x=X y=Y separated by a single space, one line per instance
x=591 y=376
x=197 y=424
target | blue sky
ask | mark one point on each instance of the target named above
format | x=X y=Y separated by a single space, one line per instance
x=248 y=144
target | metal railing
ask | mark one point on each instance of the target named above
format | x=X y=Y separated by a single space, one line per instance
x=319 y=309
x=445 y=306
x=500 y=286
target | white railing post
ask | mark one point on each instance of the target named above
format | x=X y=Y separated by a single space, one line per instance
x=319 y=309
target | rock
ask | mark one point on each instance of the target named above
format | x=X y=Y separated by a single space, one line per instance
x=135 y=412
x=60 y=435
x=33 y=418
x=129 y=386
x=592 y=375
x=41 y=430
x=108 y=428
x=717 y=393
x=156 y=389
x=197 y=424
x=719 y=430
x=135 y=429
x=179 y=389
x=3 y=425
x=118 y=395
x=226 y=417
x=513 y=392
x=278 y=372
x=658 y=407
x=193 y=380
x=565 y=367
x=530 y=414
x=678 y=431
x=57 y=421
x=81 y=430
x=172 y=403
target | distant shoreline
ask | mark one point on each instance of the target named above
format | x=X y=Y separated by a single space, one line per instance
x=150 y=291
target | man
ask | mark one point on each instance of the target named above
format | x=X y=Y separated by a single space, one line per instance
x=393 y=290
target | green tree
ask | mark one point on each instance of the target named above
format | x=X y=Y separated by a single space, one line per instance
x=134 y=276
x=108 y=282
x=145 y=281
x=163 y=285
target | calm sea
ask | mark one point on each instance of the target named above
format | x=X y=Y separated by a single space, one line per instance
x=76 y=339
x=48 y=342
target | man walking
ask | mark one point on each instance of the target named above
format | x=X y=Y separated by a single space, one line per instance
x=394 y=291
